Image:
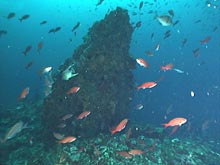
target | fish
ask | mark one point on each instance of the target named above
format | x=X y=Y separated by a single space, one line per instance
x=139 y=107
x=196 y=52
x=138 y=24
x=58 y=136
x=176 y=22
x=166 y=67
x=83 y=115
x=152 y=36
x=124 y=154
x=76 y=26
x=175 y=122
x=24 y=17
x=128 y=134
x=141 y=62
x=149 y=53
x=24 y=93
x=171 y=12
x=157 y=47
x=141 y=5
x=28 y=65
x=43 y=22
x=197 y=21
x=27 y=49
x=215 y=29
x=99 y=2
x=165 y=20
x=145 y=85
x=51 y=31
x=67 y=139
x=61 y=125
x=10 y=15
x=184 y=42
x=135 y=152
x=67 y=116
x=46 y=70
x=39 y=47
x=178 y=70
x=3 y=32
x=14 y=130
x=73 y=90
x=57 y=29
x=205 y=40
x=119 y=127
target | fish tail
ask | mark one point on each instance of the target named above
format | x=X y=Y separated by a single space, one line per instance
x=112 y=131
x=165 y=125
x=20 y=19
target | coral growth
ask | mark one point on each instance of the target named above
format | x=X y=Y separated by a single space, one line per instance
x=104 y=76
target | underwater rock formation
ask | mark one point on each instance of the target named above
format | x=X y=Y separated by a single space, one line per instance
x=101 y=67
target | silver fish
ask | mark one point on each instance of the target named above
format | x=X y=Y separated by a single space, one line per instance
x=178 y=70
x=165 y=20
x=15 y=129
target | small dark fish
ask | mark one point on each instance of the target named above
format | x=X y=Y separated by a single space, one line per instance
x=28 y=65
x=3 y=32
x=51 y=31
x=166 y=36
x=141 y=5
x=167 y=32
x=138 y=24
x=76 y=26
x=196 y=52
x=184 y=42
x=39 y=47
x=10 y=15
x=215 y=28
x=171 y=12
x=27 y=49
x=57 y=29
x=197 y=21
x=43 y=22
x=24 y=17
x=152 y=36
x=176 y=22
x=99 y=2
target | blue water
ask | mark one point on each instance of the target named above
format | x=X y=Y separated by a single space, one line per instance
x=201 y=74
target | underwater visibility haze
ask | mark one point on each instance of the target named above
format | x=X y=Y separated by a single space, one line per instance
x=110 y=82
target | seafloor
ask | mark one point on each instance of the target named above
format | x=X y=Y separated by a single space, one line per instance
x=27 y=148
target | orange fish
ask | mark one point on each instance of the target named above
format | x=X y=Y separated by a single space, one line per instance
x=119 y=127
x=73 y=90
x=145 y=85
x=124 y=154
x=67 y=139
x=166 y=67
x=136 y=152
x=141 y=62
x=83 y=115
x=24 y=93
x=175 y=122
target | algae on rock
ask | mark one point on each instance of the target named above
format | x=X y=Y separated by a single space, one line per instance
x=104 y=76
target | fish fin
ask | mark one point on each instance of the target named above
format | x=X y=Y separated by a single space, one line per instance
x=165 y=125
